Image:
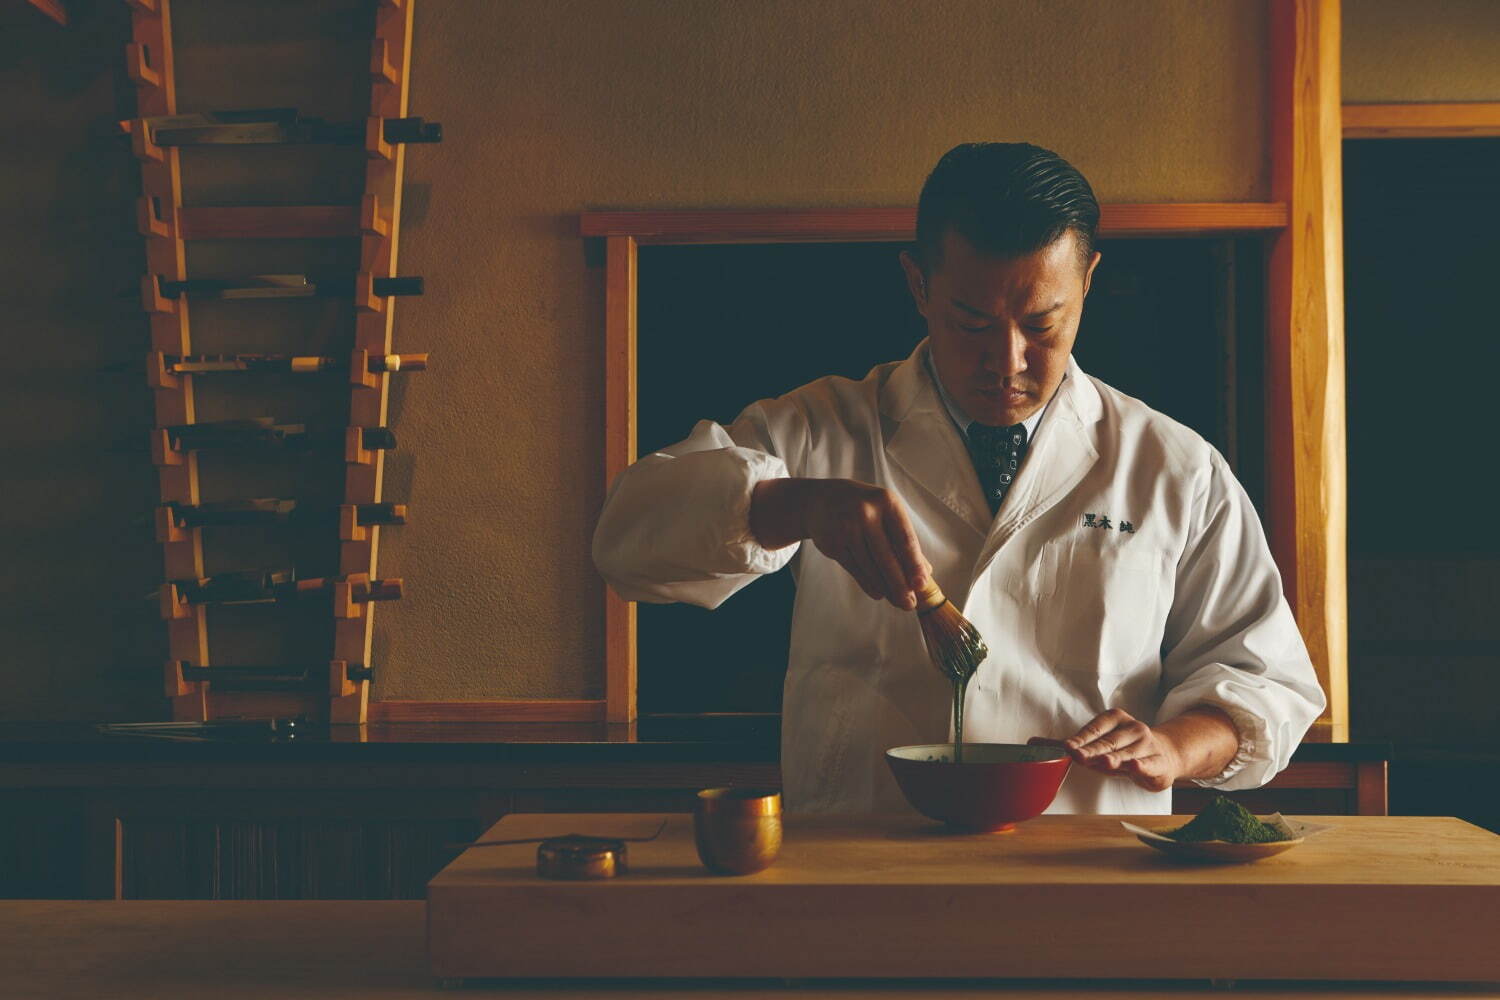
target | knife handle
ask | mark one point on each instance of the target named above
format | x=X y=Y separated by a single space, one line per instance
x=397 y=286
x=411 y=130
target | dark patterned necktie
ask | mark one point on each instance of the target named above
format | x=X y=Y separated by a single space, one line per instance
x=997 y=454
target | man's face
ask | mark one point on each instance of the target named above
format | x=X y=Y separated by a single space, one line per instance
x=1001 y=329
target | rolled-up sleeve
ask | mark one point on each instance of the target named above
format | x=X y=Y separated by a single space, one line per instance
x=1231 y=641
x=676 y=524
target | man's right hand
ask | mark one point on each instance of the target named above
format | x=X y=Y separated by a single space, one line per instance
x=864 y=528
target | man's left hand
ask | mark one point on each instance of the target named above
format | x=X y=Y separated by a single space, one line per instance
x=1118 y=744
x=1196 y=744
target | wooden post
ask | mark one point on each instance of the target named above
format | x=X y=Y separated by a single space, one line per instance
x=1371 y=795
x=104 y=869
x=619 y=451
x=1305 y=343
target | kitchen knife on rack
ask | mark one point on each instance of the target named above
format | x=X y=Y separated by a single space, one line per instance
x=275 y=510
x=280 y=126
x=202 y=364
x=283 y=286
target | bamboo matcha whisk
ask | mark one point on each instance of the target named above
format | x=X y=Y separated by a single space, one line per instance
x=955 y=647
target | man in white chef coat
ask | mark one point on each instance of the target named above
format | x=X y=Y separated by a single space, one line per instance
x=1105 y=552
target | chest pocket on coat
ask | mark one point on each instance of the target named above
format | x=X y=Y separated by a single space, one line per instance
x=1100 y=607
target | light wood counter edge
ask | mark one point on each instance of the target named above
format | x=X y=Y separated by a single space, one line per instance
x=374 y=950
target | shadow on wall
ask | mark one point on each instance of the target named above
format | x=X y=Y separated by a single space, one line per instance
x=81 y=640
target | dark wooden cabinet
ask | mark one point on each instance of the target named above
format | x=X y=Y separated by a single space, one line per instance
x=95 y=819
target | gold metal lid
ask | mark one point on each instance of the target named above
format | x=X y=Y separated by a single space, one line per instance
x=576 y=857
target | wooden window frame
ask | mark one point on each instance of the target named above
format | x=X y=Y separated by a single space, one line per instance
x=624 y=232
x=1422 y=120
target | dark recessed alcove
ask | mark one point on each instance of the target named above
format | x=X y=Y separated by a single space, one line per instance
x=1175 y=322
x=1420 y=217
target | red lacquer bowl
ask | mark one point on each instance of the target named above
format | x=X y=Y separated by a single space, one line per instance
x=996 y=786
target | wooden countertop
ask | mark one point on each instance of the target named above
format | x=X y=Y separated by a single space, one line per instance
x=266 y=950
x=1375 y=897
x=1050 y=850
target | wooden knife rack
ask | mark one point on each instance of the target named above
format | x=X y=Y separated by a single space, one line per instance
x=166 y=225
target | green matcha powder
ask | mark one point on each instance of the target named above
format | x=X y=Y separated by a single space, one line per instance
x=1228 y=821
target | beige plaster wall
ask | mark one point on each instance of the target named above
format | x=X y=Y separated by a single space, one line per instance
x=1442 y=50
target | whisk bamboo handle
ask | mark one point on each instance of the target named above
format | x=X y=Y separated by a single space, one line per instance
x=929 y=597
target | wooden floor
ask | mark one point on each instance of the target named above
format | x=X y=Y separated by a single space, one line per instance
x=375 y=950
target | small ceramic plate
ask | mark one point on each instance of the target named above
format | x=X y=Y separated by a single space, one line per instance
x=1296 y=832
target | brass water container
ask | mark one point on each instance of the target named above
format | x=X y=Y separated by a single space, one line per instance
x=737 y=830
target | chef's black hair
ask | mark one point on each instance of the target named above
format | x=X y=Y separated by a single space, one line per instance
x=1008 y=199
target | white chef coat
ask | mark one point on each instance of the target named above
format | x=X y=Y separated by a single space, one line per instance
x=1079 y=613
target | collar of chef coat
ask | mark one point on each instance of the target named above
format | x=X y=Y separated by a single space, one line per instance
x=927 y=445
